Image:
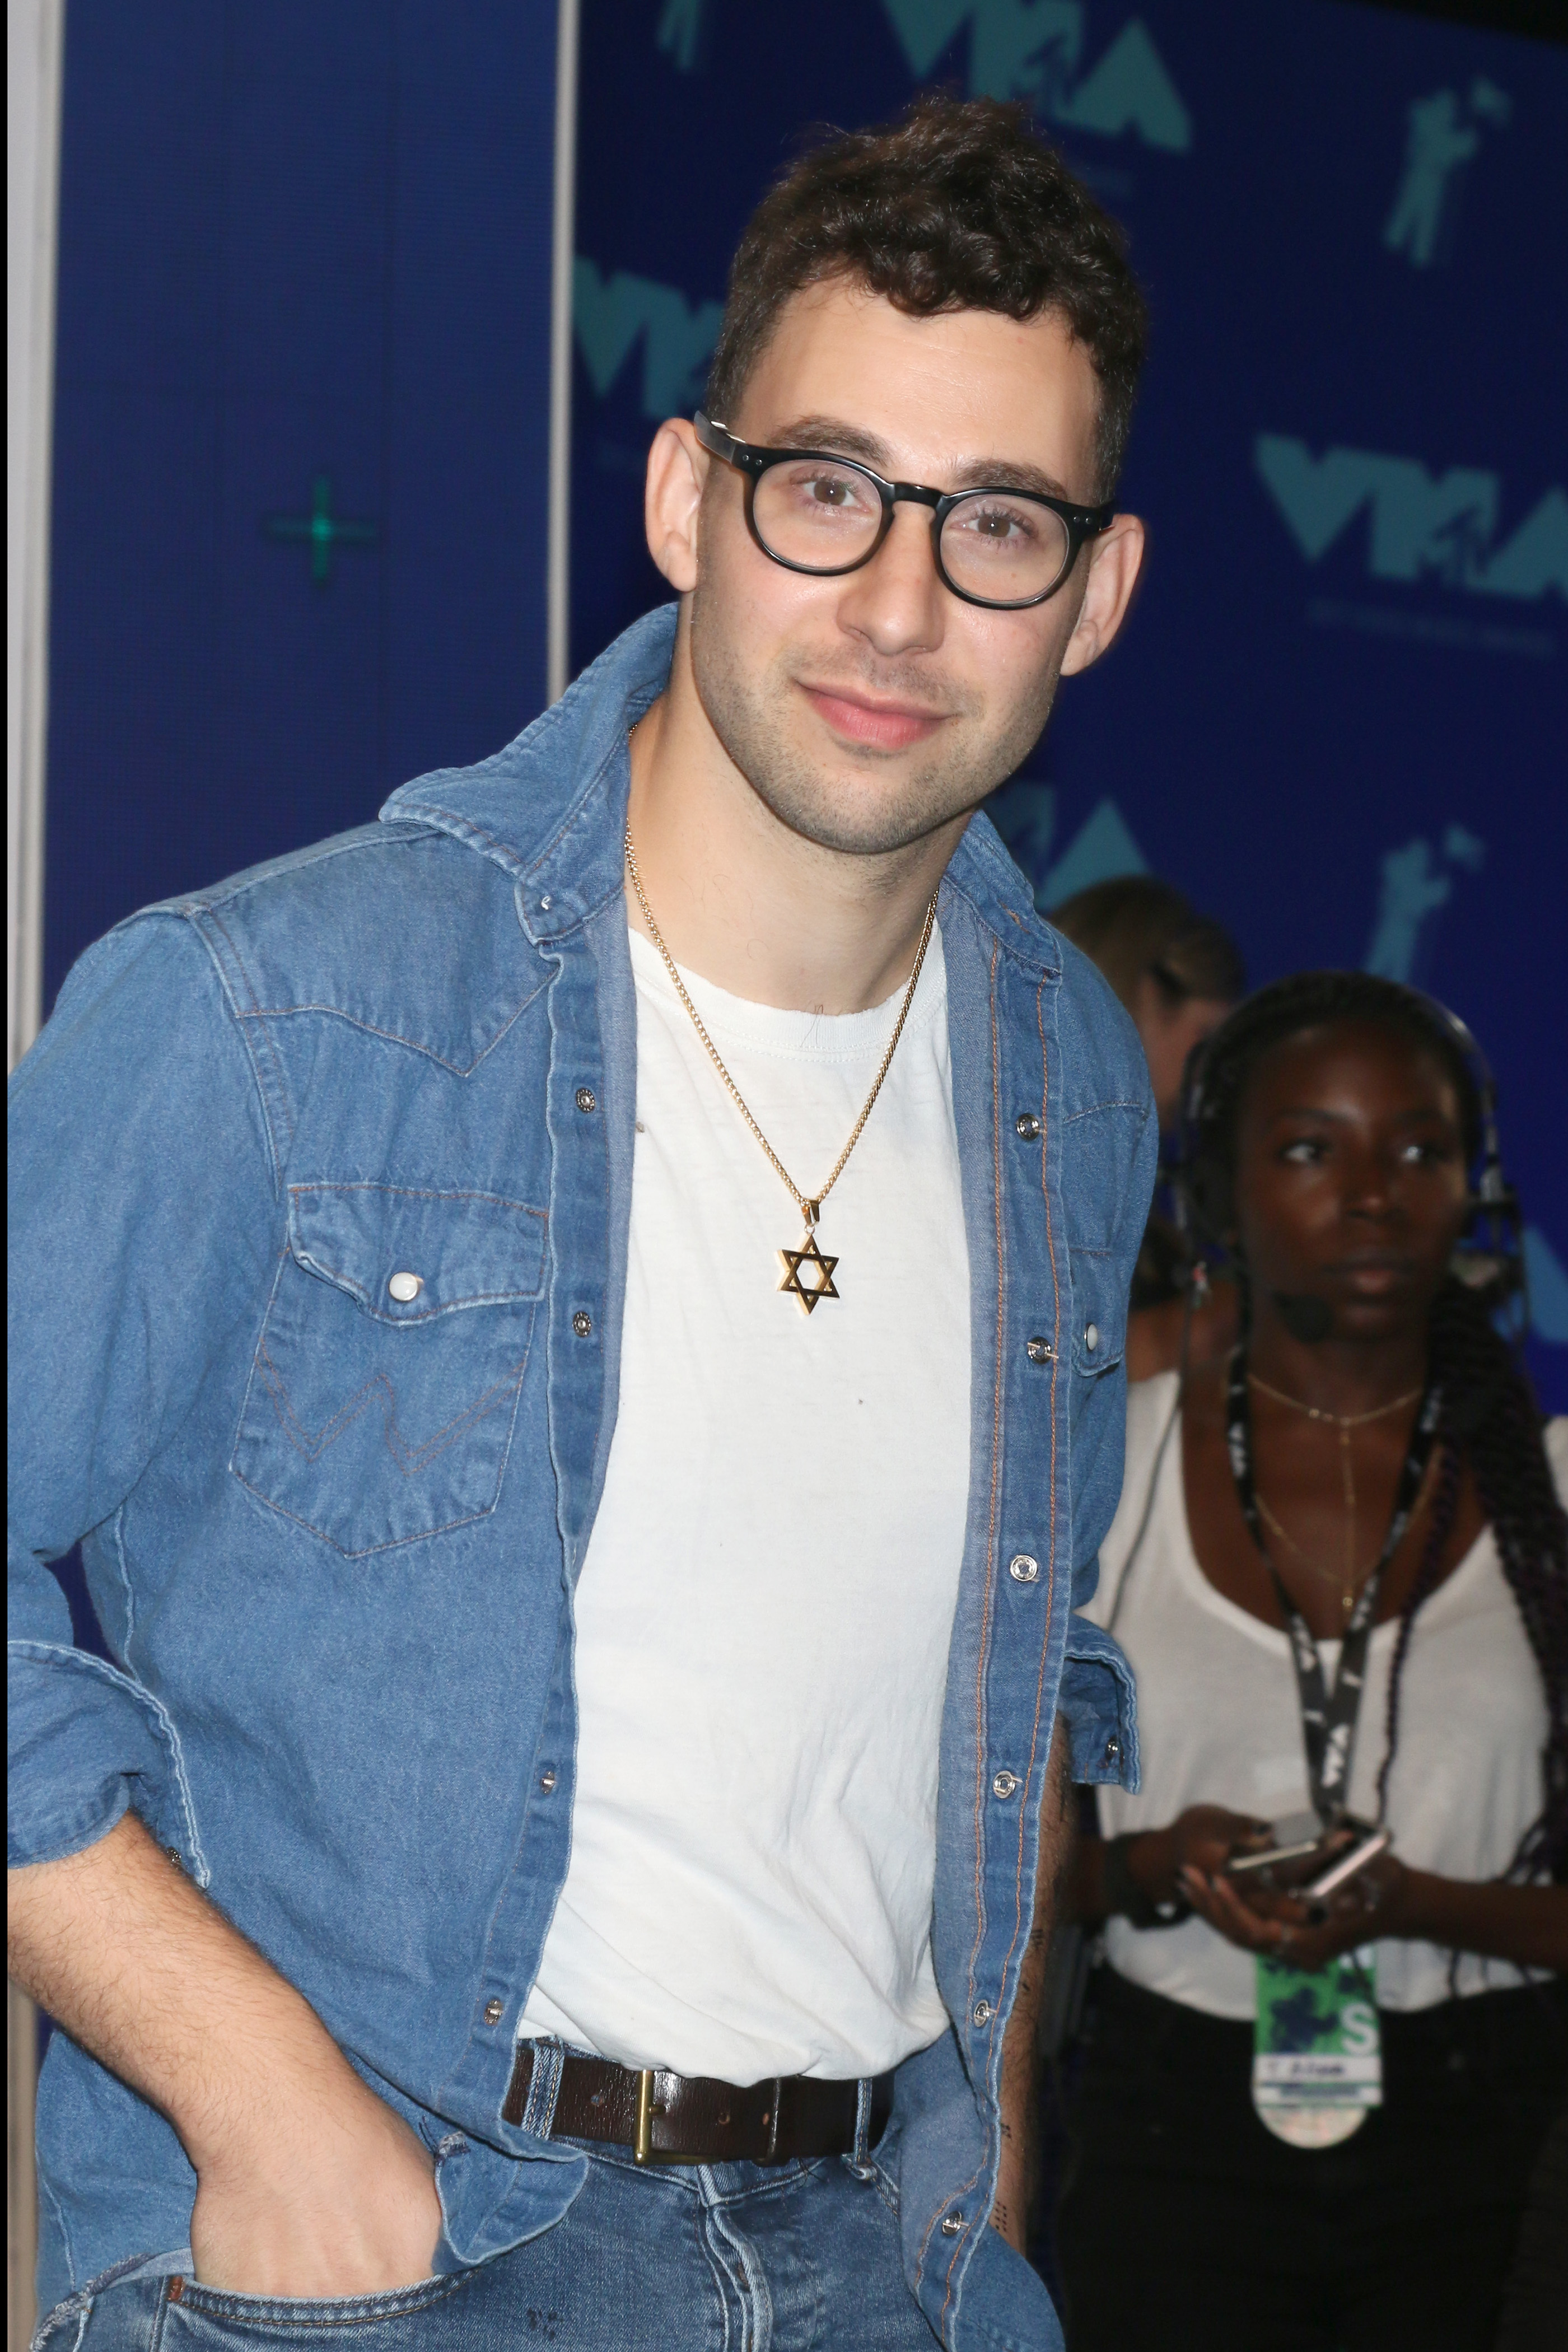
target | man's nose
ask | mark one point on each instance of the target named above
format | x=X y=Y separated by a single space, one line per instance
x=896 y=601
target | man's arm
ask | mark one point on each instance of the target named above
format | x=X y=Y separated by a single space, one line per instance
x=1016 y=2174
x=307 y=2183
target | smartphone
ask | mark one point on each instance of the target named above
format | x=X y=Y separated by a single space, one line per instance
x=1299 y=1842
x=1341 y=1871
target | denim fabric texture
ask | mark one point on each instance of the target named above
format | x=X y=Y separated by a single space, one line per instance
x=333 y=1532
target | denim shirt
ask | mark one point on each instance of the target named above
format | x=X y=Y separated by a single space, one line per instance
x=331 y=1531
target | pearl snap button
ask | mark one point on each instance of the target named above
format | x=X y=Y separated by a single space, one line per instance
x=1023 y=1568
x=1091 y=1336
x=1112 y=1748
x=984 y=2012
x=405 y=1287
x=547 y=1782
x=951 y=2225
x=494 y=2011
x=1004 y=1784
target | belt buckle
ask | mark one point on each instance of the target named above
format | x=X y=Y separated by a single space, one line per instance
x=642 y=2147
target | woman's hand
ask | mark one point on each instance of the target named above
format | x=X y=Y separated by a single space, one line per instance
x=1284 y=1926
x=1203 y=1839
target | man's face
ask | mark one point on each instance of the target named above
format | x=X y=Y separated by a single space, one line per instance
x=867 y=711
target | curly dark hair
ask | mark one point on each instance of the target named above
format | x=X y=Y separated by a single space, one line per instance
x=1489 y=1416
x=959 y=206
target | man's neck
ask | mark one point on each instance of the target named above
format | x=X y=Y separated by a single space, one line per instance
x=745 y=902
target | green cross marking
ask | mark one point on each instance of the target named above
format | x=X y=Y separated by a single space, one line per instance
x=322 y=529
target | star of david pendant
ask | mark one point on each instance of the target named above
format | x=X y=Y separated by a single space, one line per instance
x=808 y=1288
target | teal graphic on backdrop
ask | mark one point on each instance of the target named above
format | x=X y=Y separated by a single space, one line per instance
x=1443 y=134
x=1422 y=526
x=1034 y=49
x=612 y=314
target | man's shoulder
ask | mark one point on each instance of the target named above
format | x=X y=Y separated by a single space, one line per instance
x=1101 y=1058
x=397 y=926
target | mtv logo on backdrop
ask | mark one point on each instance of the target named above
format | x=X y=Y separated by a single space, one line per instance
x=1422 y=526
x=1033 y=50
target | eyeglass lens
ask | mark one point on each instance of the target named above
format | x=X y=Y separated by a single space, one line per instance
x=824 y=515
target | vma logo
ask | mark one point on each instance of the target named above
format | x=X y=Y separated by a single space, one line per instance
x=612 y=315
x=1421 y=527
x=1033 y=50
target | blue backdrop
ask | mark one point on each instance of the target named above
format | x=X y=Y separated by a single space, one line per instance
x=1337 y=718
x=302 y=425
x=300 y=442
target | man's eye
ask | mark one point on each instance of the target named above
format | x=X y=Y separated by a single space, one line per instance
x=1425 y=1155
x=1304 y=1152
x=832 y=489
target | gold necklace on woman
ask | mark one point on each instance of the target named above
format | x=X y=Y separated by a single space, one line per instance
x=1348 y=1584
x=807 y=1275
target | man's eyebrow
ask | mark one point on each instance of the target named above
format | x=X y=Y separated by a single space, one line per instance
x=834 y=436
x=1416 y=1115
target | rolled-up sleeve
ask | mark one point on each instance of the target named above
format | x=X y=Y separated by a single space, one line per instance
x=142 y=1214
x=1099 y=1704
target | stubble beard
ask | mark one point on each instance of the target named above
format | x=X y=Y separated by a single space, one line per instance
x=751 y=712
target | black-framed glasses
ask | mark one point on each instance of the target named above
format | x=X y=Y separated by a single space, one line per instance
x=813 y=512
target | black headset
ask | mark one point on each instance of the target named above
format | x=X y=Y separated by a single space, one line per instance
x=1489 y=1258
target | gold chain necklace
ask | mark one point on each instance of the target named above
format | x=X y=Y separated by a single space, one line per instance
x=1349 y=1582
x=807 y=1275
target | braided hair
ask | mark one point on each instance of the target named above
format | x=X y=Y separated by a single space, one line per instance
x=1489 y=1416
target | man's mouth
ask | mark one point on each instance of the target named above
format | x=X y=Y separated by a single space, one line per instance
x=884 y=725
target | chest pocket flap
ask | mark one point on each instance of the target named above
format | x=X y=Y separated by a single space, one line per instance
x=387 y=1376
x=406 y=1257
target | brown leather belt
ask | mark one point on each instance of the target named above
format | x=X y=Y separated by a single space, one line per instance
x=667 y=2118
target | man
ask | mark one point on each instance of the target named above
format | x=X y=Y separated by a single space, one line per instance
x=587 y=1514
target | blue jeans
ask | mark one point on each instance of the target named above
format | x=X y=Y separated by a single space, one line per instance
x=680 y=2258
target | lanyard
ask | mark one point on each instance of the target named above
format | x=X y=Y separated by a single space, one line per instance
x=1328 y=1723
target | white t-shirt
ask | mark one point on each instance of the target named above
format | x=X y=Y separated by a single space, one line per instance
x=764 y=1610
x=1219 y=1723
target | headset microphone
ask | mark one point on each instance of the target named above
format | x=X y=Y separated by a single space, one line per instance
x=1306 y=1318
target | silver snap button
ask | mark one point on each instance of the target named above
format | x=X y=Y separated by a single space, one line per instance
x=1113 y=1749
x=1027 y=1125
x=494 y=2011
x=984 y=2012
x=952 y=2224
x=1004 y=1785
x=405 y=1287
x=586 y=1098
x=581 y=1323
x=1023 y=1568
x=1041 y=1351
x=545 y=904
x=1091 y=1336
x=547 y=1782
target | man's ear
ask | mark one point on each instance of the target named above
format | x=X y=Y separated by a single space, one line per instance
x=677 y=470
x=1115 y=559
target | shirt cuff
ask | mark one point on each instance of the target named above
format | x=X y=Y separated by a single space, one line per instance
x=1100 y=1702
x=88 y=1744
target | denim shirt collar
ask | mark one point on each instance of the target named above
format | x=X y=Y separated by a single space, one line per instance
x=551 y=808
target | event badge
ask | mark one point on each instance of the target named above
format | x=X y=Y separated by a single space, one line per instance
x=1317 y=2063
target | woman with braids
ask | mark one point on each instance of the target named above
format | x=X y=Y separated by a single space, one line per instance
x=1365 y=1481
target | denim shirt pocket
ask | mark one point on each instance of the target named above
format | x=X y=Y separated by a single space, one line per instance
x=385 y=1383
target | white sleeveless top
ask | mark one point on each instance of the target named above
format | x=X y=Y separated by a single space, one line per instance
x=1219 y=1723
